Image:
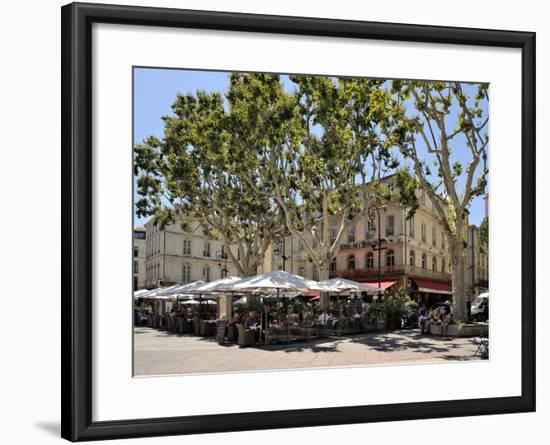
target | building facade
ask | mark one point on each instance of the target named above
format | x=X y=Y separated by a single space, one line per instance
x=138 y=266
x=390 y=250
x=477 y=264
x=174 y=255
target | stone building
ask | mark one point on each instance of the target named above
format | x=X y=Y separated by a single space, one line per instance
x=413 y=253
x=174 y=255
x=477 y=264
x=138 y=254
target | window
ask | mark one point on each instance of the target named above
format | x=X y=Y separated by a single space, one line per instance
x=369 y=261
x=443 y=266
x=390 y=258
x=238 y=254
x=390 y=220
x=434 y=264
x=424 y=260
x=223 y=254
x=351 y=234
x=423 y=232
x=332 y=234
x=223 y=273
x=186 y=273
x=412 y=258
x=333 y=265
x=136 y=267
x=434 y=237
x=206 y=274
x=139 y=235
x=351 y=262
x=301 y=271
x=187 y=247
x=136 y=251
x=443 y=240
x=300 y=246
x=411 y=227
x=206 y=249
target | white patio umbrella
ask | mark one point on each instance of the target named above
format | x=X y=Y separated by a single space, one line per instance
x=289 y=295
x=190 y=302
x=279 y=280
x=217 y=286
x=345 y=285
x=140 y=293
x=151 y=293
x=182 y=289
x=167 y=291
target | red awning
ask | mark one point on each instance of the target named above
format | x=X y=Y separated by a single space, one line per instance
x=433 y=287
x=312 y=293
x=383 y=284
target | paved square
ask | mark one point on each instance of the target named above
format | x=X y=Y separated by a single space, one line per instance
x=161 y=352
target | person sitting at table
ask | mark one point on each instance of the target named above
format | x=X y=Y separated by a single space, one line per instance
x=236 y=318
x=429 y=320
x=422 y=317
x=251 y=324
x=323 y=318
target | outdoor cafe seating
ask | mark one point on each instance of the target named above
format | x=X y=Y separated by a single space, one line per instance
x=191 y=309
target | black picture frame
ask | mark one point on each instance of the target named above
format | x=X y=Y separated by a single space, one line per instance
x=76 y=345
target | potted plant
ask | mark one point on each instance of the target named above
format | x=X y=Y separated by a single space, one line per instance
x=395 y=303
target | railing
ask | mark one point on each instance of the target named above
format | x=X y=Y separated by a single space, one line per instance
x=356 y=245
x=390 y=271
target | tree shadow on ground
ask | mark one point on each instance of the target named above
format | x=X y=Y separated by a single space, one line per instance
x=392 y=341
x=314 y=345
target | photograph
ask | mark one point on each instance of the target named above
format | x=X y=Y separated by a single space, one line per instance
x=300 y=221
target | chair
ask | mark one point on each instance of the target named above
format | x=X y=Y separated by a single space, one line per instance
x=482 y=347
x=246 y=338
x=232 y=333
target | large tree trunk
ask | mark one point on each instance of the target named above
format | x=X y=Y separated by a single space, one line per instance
x=324 y=275
x=459 y=282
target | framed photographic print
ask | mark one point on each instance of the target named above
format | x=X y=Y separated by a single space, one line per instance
x=274 y=222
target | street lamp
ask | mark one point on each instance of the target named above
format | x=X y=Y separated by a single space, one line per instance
x=374 y=212
x=221 y=256
x=280 y=250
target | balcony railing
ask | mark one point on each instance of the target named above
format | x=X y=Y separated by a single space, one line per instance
x=356 y=245
x=390 y=272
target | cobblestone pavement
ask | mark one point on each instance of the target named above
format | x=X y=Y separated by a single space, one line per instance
x=160 y=352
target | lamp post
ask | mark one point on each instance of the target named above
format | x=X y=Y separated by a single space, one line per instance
x=373 y=212
x=280 y=250
x=221 y=256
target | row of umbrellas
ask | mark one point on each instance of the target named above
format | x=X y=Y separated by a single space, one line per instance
x=268 y=282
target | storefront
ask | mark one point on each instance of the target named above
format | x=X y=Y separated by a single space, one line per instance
x=429 y=292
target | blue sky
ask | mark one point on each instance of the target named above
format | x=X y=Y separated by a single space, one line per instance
x=155 y=90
